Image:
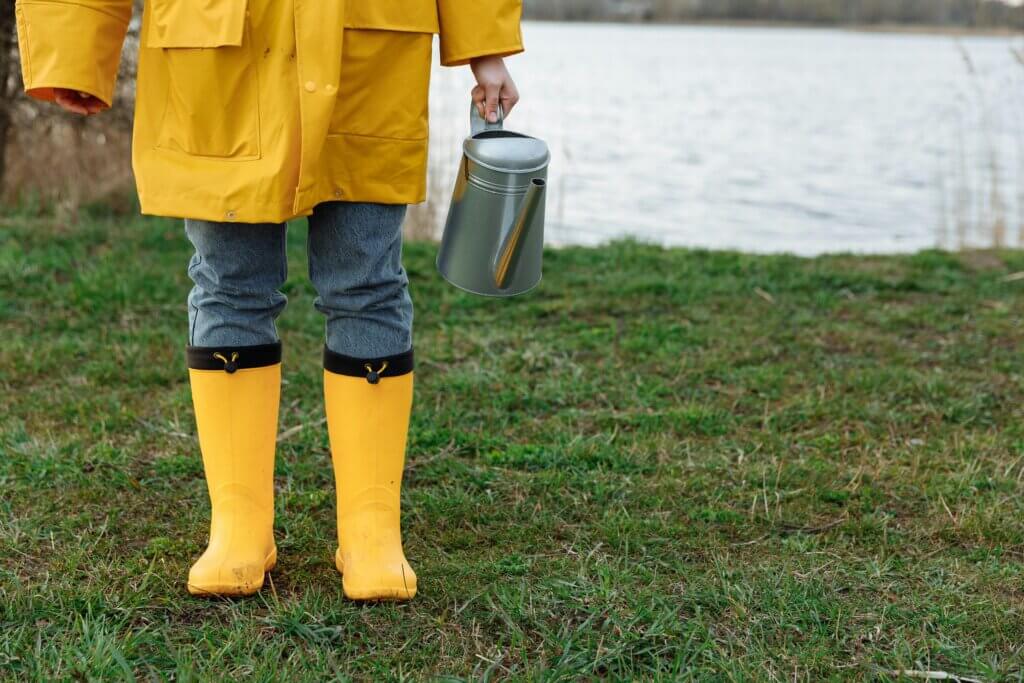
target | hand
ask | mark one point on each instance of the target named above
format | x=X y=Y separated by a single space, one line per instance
x=78 y=102
x=494 y=84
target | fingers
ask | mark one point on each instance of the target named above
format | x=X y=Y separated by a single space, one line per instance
x=509 y=97
x=93 y=104
x=492 y=95
x=478 y=99
x=486 y=98
x=494 y=88
x=78 y=102
x=71 y=103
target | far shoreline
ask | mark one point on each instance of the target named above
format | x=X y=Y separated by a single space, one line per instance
x=910 y=29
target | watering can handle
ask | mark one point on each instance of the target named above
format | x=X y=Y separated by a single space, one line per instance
x=477 y=123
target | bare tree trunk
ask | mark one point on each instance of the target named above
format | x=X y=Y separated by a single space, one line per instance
x=8 y=62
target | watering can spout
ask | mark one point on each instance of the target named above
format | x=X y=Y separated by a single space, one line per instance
x=511 y=246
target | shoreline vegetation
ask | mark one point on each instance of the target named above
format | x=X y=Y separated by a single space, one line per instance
x=662 y=464
x=895 y=28
x=969 y=14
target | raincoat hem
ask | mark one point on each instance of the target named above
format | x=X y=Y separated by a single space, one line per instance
x=219 y=212
x=377 y=193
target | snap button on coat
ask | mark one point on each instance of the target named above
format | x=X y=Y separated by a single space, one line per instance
x=222 y=127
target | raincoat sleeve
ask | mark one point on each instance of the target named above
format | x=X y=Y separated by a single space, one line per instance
x=73 y=44
x=478 y=28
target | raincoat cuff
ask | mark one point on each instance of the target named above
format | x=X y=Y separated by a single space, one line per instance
x=87 y=63
x=467 y=57
x=478 y=28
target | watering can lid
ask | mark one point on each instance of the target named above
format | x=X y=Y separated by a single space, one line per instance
x=492 y=146
x=507 y=151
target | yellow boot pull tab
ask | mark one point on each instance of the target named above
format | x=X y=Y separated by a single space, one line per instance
x=373 y=376
x=229 y=365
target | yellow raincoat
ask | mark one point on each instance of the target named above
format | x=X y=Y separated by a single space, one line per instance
x=257 y=110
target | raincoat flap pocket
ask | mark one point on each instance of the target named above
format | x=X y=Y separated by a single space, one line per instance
x=415 y=16
x=195 y=23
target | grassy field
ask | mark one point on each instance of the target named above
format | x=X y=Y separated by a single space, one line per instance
x=662 y=464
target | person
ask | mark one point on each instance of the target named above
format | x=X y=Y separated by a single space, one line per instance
x=250 y=113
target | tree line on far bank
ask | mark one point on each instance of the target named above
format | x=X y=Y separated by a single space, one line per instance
x=960 y=13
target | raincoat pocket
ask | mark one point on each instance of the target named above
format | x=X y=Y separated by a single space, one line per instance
x=212 y=103
x=385 y=81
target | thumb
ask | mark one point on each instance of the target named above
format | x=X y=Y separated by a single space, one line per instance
x=492 y=94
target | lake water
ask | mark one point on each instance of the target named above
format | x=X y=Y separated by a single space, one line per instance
x=764 y=139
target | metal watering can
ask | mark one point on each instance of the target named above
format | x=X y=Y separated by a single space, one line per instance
x=493 y=240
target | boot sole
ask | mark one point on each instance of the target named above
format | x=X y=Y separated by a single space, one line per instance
x=234 y=590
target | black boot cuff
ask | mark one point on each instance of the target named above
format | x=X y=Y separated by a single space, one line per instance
x=373 y=369
x=231 y=358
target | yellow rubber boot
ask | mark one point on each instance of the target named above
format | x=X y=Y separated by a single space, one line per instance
x=368 y=405
x=236 y=393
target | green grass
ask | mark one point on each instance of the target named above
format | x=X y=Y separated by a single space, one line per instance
x=662 y=464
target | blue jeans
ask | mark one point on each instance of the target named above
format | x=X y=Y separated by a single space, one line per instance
x=355 y=264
